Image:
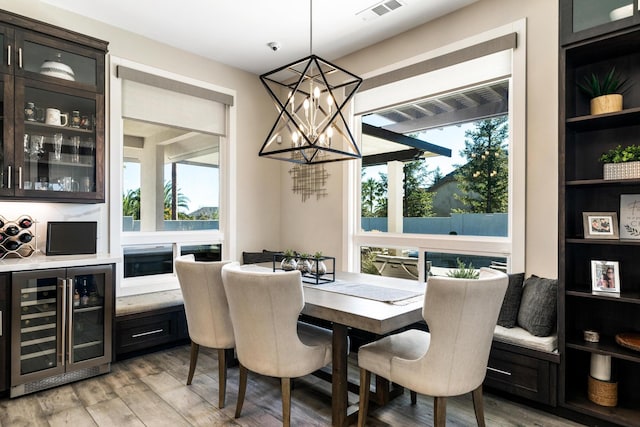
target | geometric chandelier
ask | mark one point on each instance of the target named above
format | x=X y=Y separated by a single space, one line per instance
x=311 y=96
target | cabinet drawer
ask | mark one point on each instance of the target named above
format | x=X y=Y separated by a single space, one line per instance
x=143 y=331
x=522 y=375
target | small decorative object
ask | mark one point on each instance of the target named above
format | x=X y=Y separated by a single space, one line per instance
x=304 y=264
x=630 y=340
x=600 y=225
x=288 y=262
x=605 y=92
x=591 y=336
x=17 y=237
x=464 y=272
x=621 y=163
x=600 y=367
x=57 y=68
x=630 y=216
x=318 y=268
x=605 y=276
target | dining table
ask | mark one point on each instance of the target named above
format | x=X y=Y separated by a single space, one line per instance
x=366 y=302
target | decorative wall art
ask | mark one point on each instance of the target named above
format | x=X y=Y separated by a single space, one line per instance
x=630 y=216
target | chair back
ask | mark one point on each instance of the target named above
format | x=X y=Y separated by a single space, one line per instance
x=461 y=315
x=264 y=308
x=205 y=302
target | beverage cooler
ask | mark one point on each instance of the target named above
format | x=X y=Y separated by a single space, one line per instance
x=61 y=326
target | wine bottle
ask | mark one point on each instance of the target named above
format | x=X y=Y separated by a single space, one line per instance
x=25 y=237
x=3 y=237
x=12 y=245
x=1 y=222
x=11 y=230
x=25 y=222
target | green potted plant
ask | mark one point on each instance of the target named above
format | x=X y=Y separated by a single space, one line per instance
x=304 y=263
x=289 y=260
x=621 y=163
x=464 y=272
x=318 y=267
x=605 y=92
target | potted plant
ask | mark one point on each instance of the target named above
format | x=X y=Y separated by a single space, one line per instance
x=288 y=262
x=621 y=163
x=605 y=92
x=304 y=263
x=318 y=267
x=464 y=272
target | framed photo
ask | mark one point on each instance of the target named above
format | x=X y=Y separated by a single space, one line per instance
x=630 y=216
x=600 y=225
x=605 y=276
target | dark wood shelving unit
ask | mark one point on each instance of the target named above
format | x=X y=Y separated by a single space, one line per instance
x=583 y=138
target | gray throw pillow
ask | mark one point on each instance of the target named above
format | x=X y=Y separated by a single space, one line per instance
x=511 y=303
x=537 y=312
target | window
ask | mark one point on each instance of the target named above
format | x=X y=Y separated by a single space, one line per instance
x=170 y=155
x=443 y=170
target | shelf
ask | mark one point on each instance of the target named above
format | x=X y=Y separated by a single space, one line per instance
x=87 y=344
x=618 y=415
x=614 y=242
x=627 y=117
x=626 y=297
x=87 y=309
x=53 y=128
x=600 y=182
x=606 y=346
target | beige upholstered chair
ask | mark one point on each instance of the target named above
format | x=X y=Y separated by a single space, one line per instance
x=205 y=305
x=452 y=358
x=264 y=309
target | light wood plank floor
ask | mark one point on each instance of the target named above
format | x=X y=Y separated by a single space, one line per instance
x=151 y=391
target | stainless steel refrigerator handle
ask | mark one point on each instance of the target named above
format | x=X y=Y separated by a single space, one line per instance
x=20 y=57
x=9 y=55
x=63 y=286
x=9 y=176
x=20 y=177
x=70 y=328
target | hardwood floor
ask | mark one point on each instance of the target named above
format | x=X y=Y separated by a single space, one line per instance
x=150 y=391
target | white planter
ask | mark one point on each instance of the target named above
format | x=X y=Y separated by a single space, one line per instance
x=628 y=170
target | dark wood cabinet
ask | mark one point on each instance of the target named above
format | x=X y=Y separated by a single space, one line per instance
x=47 y=72
x=582 y=140
x=4 y=332
x=584 y=19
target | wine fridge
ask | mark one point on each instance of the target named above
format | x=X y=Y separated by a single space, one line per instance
x=61 y=326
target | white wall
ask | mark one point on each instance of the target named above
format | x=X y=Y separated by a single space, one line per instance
x=258 y=200
x=542 y=128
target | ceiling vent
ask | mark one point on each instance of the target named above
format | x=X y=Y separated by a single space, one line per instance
x=380 y=9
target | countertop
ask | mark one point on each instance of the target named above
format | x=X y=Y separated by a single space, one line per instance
x=39 y=261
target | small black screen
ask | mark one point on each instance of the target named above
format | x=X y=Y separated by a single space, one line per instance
x=71 y=238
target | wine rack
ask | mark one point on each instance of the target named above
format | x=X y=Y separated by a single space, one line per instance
x=17 y=238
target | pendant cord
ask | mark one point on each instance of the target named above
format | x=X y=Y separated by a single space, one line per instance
x=310 y=27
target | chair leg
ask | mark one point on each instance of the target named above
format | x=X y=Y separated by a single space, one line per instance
x=439 y=411
x=194 y=360
x=242 y=387
x=222 y=377
x=414 y=397
x=478 y=405
x=363 y=406
x=285 y=384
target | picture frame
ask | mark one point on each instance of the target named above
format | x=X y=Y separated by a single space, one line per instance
x=630 y=216
x=600 y=225
x=605 y=276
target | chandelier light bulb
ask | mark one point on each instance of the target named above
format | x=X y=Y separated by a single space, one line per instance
x=316 y=92
x=294 y=137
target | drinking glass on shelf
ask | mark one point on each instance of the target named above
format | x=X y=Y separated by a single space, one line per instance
x=27 y=147
x=37 y=146
x=75 y=149
x=57 y=146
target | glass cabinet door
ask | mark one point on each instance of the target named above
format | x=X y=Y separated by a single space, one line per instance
x=91 y=294
x=581 y=19
x=58 y=131
x=6 y=140
x=37 y=348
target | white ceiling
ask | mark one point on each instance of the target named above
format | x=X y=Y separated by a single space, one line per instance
x=237 y=32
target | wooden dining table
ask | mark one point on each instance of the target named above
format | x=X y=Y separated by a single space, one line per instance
x=348 y=311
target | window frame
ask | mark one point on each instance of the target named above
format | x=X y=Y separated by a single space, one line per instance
x=511 y=247
x=226 y=233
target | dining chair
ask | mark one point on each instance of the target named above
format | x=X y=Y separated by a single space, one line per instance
x=264 y=308
x=449 y=360
x=207 y=311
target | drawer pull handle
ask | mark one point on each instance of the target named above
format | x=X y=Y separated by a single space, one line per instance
x=489 y=368
x=142 y=334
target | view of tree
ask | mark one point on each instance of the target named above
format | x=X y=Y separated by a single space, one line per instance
x=131 y=204
x=483 y=180
x=182 y=201
x=418 y=201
